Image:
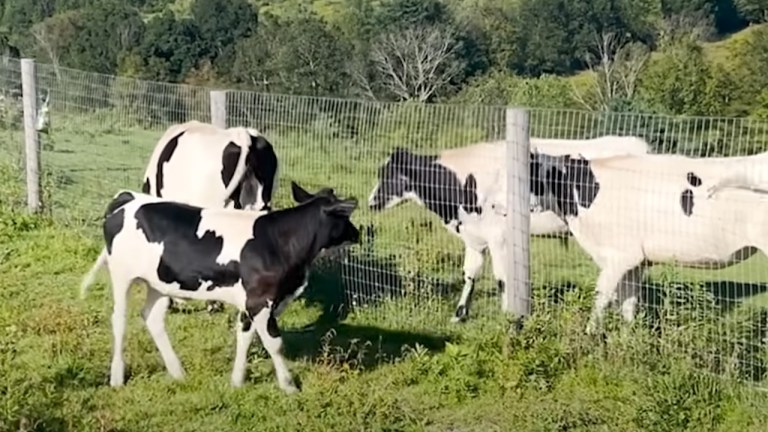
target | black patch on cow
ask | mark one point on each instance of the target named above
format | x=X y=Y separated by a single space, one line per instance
x=500 y=287
x=145 y=186
x=260 y=170
x=165 y=156
x=272 y=328
x=229 y=160
x=686 y=202
x=575 y=177
x=693 y=179
x=113 y=224
x=120 y=200
x=114 y=217
x=536 y=181
x=186 y=259
x=262 y=161
x=437 y=186
x=245 y=321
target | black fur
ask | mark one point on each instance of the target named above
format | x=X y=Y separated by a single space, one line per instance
x=686 y=202
x=165 y=156
x=438 y=187
x=693 y=179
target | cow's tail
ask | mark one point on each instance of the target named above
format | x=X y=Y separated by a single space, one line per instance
x=243 y=138
x=91 y=275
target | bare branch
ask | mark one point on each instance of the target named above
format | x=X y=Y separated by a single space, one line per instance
x=416 y=63
x=43 y=38
x=615 y=68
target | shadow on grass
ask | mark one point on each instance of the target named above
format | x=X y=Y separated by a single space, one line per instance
x=713 y=319
x=367 y=346
x=347 y=279
x=343 y=281
x=727 y=295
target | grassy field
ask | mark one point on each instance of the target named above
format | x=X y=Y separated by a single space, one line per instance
x=370 y=341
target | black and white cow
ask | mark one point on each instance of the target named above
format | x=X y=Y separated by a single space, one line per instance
x=630 y=212
x=255 y=261
x=466 y=188
x=203 y=165
x=447 y=185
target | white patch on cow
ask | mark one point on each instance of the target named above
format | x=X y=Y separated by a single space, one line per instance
x=413 y=197
x=236 y=228
x=372 y=196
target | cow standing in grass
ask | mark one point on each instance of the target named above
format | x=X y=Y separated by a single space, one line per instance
x=467 y=188
x=629 y=212
x=203 y=165
x=256 y=261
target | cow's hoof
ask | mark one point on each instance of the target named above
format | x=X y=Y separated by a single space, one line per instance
x=215 y=307
x=461 y=315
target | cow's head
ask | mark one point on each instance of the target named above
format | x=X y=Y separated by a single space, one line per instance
x=561 y=184
x=394 y=183
x=336 y=228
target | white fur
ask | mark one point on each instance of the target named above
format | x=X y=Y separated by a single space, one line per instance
x=130 y=243
x=188 y=175
x=637 y=220
x=486 y=161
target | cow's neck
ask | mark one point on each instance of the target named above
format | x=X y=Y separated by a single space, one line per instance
x=301 y=249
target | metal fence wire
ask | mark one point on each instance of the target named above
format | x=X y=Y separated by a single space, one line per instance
x=408 y=271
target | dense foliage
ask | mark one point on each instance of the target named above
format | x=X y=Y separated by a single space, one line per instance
x=627 y=55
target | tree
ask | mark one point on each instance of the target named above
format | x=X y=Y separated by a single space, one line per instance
x=54 y=35
x=298 y=55
x=171 y=47
x=108 y=29
x=221 y=23
x=615 y=70
x=754 y=11
x=680 y=82
x=416 y=63
x=402 y=14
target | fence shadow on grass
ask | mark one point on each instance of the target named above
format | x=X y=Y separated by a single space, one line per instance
x=717 y=310
x=341 y=282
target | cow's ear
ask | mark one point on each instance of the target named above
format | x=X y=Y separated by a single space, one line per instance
x=299 y=194
x=342 y=207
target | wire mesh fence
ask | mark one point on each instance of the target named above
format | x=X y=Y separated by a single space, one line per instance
x=409 y=270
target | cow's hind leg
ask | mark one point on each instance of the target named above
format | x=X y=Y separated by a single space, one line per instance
x=266 y=325
x=245 y=332
x=473 y=262
x=120 y=287
x=155 y=308
x=605 y=291
x=629 y=290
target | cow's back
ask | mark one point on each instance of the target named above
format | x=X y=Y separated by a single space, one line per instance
x=188 y=163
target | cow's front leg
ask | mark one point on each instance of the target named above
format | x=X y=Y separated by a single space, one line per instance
x=473 y=262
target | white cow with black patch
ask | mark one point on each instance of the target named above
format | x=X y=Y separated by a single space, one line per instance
x=629 y=212
x=204 y=165
x=466 y=188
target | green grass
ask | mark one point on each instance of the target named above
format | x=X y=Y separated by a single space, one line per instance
x=396 y=365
